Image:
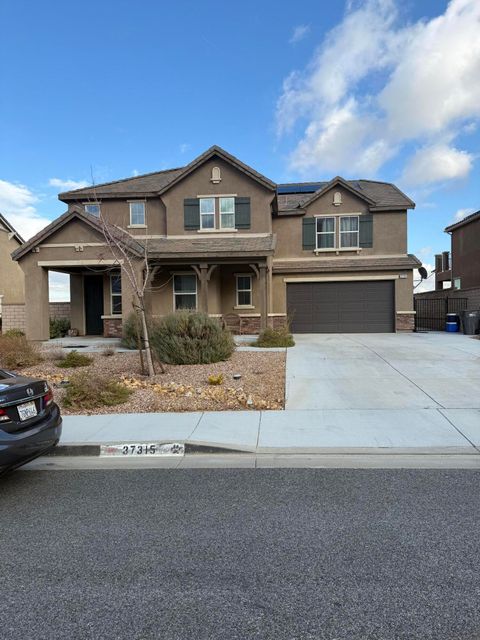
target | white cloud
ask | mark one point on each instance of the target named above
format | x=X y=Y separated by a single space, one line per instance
x=183 y=148
x=373 y=86
x=462 y=213
x=67 y=184
x=17 y=204
x=299 y=33
x=437 y=163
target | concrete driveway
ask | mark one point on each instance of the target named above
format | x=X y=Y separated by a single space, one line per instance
x=383 y=371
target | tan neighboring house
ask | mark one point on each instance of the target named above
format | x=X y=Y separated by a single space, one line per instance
x=221 y=237
x=12 y=280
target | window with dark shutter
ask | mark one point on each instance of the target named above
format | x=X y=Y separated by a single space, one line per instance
x=366 y=231
x=242 y=213
x=191 y=212
x=308 y=234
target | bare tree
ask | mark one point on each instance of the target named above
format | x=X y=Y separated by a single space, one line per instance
x=123 y=247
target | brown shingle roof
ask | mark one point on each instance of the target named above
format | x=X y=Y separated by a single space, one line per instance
x=149 y=183
x=215 y=246
x=320 y=265
x=382 y=195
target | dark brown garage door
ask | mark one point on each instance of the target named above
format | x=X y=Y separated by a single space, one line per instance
x=341 y=307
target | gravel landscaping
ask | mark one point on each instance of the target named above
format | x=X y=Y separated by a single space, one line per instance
x=182 y=387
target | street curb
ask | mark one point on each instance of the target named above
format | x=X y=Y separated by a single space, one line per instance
x=93 y=450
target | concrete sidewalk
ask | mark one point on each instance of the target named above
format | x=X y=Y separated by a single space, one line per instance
x=396 y=431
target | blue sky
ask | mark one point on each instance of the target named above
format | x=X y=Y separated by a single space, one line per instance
x=375 y=89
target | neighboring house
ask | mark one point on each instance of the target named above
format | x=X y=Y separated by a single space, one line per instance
x=12 y=280
x=222 y=238
x=459 y=268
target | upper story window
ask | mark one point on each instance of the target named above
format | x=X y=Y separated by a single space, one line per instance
x=207 y=213
x=349 y=232
x=325 y=232
x=93 y=208
x=227 y=213
x=137 y=214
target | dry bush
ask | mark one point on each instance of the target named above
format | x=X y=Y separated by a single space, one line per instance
x=87 y=391
x=17 y=352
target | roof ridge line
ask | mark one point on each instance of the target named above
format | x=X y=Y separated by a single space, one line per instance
x=104 y=184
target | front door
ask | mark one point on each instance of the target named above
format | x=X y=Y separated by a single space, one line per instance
x=93 y=296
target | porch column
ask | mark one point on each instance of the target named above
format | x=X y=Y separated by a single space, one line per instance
x=37 y=309
x=204 y=273
x=262 y=285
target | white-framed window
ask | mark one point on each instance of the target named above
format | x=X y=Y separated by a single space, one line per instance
x=227 y=213
x=116 y=294
x=93 y=208
x=325 y=232
x=244 y=290
x=137 y=214
x=184 y=291
x=207 y=213
x=349 y=226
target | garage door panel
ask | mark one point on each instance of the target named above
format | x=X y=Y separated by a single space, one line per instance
x=341 y=307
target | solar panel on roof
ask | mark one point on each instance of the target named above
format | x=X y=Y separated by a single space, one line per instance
x=300 y=188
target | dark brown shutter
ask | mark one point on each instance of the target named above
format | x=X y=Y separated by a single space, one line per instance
x=242 y=213
x=308 y=234
x=191 y=213
x=366 y=231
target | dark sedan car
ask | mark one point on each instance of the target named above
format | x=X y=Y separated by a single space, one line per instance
x=30 y=421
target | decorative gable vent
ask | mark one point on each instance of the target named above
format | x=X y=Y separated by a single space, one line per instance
x=216 y=175
x=337 y=198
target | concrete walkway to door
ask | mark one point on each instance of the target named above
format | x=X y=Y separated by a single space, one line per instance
x=384 y=371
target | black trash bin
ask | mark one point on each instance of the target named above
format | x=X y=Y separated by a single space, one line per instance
x=470 y=322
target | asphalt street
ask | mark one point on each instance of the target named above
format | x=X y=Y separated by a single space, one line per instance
x=227 y=554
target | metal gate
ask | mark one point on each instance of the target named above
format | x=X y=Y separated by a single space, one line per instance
x=431 y=312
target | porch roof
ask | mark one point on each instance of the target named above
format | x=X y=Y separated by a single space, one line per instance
x=319 y=265
x=212 y=247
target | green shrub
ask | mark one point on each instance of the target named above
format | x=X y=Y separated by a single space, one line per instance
x=132 y=328
x=14 y=333
x=270 y=338
x=187 y=337
x=75 y=359
x=16 y=352
x=59 y=327
x=87 y=391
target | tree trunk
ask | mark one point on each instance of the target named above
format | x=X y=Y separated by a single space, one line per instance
x=151 y=370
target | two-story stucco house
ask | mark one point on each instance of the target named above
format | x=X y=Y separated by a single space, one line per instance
x=222 y=238
x=12 y=281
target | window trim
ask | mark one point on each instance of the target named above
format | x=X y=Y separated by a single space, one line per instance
x=202 y=228
x=175 y=293
x=116 y=295
x=350 y=215
x=98 y=204
x=134 y=225
x=229 y=213
x=317 y=233
x=237 y=291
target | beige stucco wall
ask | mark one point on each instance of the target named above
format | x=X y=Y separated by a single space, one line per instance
x=12 y=283
x=389 y=228
x=403 y=286
x=117 y=211
x=233 y=181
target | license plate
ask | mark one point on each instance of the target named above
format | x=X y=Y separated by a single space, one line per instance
x=148 y=449
x=27 y=410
